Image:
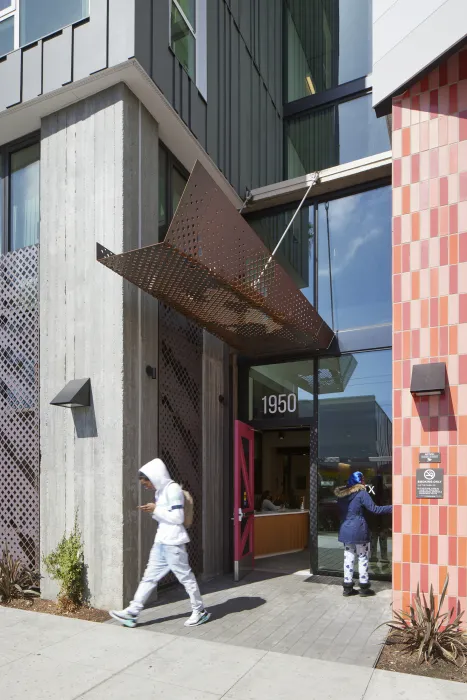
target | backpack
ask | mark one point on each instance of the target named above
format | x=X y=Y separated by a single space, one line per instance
x=188 y=508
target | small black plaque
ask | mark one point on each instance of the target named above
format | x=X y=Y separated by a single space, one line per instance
x=429 y=457
x=430 y=483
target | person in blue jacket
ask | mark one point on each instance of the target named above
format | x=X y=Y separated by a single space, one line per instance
x=354 y=532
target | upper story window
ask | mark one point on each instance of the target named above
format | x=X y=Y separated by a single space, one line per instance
x=328 y=44
x=24 y=21
x=328 y=115
x=188 y=39
x=332 y=135
x=7 y=26
x=19 y=194
x=342 y=261
x=183 y=34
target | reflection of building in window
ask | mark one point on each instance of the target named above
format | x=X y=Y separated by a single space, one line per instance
x=183 y=34
x=354 y=428
x=294 y=252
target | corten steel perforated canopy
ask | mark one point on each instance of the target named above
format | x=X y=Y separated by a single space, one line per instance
x=212 y=268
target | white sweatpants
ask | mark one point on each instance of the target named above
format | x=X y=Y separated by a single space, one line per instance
x=165 y=558
x=363 y=551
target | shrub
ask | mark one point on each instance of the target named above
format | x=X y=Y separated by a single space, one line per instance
x=66 y=565
x=16 y=580
x=425 y=630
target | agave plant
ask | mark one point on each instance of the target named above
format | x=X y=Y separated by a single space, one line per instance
x=16 y=580
x=433 y=635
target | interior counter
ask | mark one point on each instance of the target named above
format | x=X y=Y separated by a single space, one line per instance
x=281 y=532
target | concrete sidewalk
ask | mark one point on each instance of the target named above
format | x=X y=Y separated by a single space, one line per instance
x=300 y=615
x=42 y=656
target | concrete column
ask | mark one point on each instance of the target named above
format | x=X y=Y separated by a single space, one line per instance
x=98 y=183
x=215 y=468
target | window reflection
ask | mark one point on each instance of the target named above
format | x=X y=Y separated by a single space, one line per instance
x=328 y=43
x=38 y=19
x=354 y=260
x=355 y=434
x=7 y=36
x=182 y=41
x=333 y=136
x=24 y=197
x=296 y=253
x=353 y=236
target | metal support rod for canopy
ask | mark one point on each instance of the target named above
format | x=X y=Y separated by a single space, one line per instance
x=314 y=181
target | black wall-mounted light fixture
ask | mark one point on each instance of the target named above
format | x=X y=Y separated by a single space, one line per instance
x=428 y=380
x=76 y=394
x=280 y=435
x=151 y=372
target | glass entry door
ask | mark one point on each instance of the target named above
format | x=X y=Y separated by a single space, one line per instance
x=355 y=434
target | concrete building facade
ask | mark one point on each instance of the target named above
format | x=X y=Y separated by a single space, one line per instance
x=340 y=110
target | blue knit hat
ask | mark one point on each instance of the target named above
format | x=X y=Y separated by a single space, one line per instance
x=355 y=478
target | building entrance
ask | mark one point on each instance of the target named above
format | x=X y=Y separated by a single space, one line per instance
x=316 y=422
x=282 y=500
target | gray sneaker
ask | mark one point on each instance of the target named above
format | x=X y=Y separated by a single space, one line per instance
x=126 y=618
x=198 y=617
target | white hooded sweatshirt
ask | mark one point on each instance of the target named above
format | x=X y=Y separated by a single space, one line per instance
x=169 y=511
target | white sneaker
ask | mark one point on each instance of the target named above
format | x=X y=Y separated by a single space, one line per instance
x=126 y=618
x=198 y=617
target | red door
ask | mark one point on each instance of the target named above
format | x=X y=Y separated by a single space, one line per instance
x=244 y=500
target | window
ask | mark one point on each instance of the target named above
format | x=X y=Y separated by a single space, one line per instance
x=328 y=44
x=355 y=434
x=7 y=35
x=19 y=195
x=334 y=135
x=23 y=22
x=328 y=115
x=351 y=239
x=38 y=19
x=354 y=260
x=172 y=180
x=183 y=34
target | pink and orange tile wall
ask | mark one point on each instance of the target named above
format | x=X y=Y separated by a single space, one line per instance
x=430 y=325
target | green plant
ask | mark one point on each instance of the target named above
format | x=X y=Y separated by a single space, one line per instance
x=66 y=565
x=16 y=580
x=425 y=630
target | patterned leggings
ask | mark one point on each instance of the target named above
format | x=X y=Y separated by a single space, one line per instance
x=350 y=550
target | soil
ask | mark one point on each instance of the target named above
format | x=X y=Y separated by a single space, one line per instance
x=395 y=658
x=49 y=607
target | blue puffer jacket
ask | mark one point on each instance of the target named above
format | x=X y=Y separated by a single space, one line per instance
x=352 y=500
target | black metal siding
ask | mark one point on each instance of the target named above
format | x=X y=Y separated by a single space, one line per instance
x=241 y=124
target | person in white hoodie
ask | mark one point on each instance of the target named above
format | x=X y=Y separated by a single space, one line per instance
x=168 y=552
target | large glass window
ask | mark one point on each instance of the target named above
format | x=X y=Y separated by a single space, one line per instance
x=354 y=260
x=7 y=35
x=296 y=252
x=353 y=246
x=24 y=197
x=334 y=135
x=355 y=434
x=183 y=33
x=328 y=44
x=38 y=19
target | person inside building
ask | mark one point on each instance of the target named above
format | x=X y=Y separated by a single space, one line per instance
x=168 y=552
x=354 y=532
x=267 y=504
